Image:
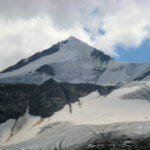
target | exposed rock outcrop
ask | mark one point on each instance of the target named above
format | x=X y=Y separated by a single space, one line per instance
x=43 y=100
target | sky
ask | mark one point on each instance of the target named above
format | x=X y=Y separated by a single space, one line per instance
x=120 y=28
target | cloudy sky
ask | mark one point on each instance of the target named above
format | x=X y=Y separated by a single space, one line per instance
x=120 y=28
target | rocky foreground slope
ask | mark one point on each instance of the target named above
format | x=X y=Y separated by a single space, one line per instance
x=42 y=100
x=76 y=116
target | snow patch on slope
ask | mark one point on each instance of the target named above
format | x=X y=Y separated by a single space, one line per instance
x=120 y=71
x=96 y=109
x=22 y=129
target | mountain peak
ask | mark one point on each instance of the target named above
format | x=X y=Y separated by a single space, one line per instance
x=72 y=38
x=72 y=46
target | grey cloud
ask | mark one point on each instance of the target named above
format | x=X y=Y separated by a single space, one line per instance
x=63 y=12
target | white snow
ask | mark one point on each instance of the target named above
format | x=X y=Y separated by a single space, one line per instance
x=5 y=130
x=120 y=71
x=96 y=109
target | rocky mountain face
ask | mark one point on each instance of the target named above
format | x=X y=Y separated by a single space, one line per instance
x=42 y=100
x=14 y=100
x=73 y=61
x=119 y=143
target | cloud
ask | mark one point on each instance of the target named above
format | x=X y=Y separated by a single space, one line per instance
x=126 y=23
x=28 y=26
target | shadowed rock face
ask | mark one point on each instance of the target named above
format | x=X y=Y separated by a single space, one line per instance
x=14 y=99
x=43 y=100
x=116 y=139
x=101 y=56
x=143 y=93
x=120 y=143
x=144 y=75
x=52 y=96
x=49 y=98
x=46 y=69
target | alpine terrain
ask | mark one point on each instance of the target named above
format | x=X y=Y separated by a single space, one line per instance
x=75 y=62
x=74 y=97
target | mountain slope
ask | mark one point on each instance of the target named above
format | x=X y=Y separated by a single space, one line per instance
x=43 y=100
x=75 y=62
x=85 y=122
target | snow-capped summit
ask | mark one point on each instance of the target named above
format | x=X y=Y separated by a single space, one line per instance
x=73 y=61
x=72 y=38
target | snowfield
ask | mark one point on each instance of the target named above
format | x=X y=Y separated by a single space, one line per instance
x=124 y=111
x=96 y=109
